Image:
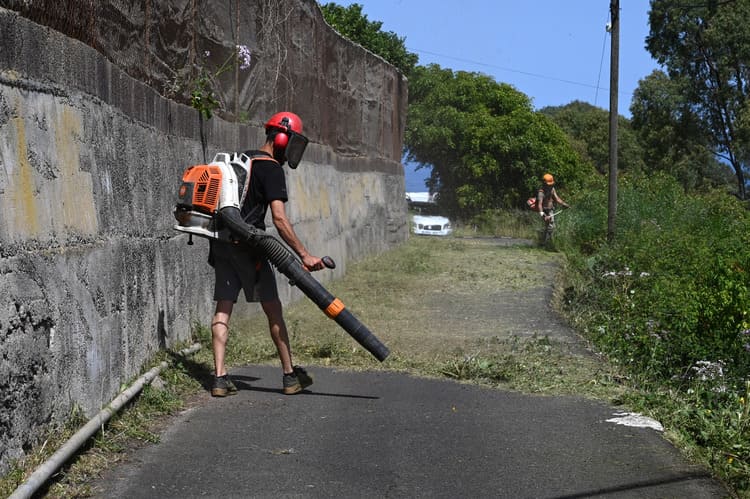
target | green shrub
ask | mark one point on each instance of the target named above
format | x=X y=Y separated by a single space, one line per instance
x=669 y=299
x=673 y=287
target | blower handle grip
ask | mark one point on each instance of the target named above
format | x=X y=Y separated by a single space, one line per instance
x=328 y=262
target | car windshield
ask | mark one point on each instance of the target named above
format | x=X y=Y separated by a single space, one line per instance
x=429 y=210
x=422 y=203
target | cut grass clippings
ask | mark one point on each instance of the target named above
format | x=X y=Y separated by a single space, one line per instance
x=401 y=297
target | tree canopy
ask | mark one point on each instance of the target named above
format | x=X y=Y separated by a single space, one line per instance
x=354 y=25
x=705 y=48
x=673 y=138
x=588 y=128
x=486 y=145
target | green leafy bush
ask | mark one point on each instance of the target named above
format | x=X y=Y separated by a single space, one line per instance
x=673 y=287
x=669 y=300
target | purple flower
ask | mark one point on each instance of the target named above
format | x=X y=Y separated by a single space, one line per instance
x=243 y=53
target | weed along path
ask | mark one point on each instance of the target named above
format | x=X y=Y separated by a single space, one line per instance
x=487 y=393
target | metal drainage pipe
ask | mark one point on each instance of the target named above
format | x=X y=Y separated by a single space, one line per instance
x=48 y=468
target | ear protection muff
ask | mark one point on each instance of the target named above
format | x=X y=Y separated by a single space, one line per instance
x=281 y=139
x=284 y=131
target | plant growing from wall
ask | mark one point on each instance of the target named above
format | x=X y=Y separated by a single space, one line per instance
x=203 y=89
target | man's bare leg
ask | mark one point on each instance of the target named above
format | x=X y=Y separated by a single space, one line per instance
x=220 y=334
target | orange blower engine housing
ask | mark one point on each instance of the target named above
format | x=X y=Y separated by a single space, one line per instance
x=198 y=201
x=200 y=188
x=206 y=190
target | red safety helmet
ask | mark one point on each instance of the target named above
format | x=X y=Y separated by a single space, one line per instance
x=288 y=140
x=285 y=122
x=548 y=179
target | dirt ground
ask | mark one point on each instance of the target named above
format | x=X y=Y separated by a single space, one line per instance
x=446 y=297
x=505 y=309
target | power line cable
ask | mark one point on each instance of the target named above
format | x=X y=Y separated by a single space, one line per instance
x=510 y=70
x=601 y=62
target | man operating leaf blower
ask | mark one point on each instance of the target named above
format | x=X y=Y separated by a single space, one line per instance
x=227 y=201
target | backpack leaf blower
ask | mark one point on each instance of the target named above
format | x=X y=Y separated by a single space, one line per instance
x=209 y=206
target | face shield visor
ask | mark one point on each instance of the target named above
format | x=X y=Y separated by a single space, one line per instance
x=295 y=148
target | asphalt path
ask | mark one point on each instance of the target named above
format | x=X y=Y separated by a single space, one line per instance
x=385 y=434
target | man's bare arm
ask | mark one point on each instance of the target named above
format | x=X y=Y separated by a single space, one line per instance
x=286 y=231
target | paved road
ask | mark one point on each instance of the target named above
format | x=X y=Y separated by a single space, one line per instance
x=381 y=434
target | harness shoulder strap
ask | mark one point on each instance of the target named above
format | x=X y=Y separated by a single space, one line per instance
x=246 y=187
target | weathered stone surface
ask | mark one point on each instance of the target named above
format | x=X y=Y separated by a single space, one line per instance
x=93 y=279
x=350 y=99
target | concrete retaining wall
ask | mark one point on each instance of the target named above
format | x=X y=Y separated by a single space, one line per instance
x=93 y=279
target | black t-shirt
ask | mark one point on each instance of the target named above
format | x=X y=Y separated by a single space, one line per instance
x=267 y=183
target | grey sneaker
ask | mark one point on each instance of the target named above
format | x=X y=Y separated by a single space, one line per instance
x=223 y=386
x=296 y=381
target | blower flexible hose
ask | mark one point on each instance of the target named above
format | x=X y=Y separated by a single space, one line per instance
x=287 y=264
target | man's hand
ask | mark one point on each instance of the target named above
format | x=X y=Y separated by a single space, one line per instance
x=312 y=263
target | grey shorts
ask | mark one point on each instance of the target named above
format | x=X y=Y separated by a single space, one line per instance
x=235 y=268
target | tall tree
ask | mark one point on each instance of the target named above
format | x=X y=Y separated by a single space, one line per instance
x=354 y=25
x=705 y=45
x=588 y=127
x=486 y=145
x=672 y=135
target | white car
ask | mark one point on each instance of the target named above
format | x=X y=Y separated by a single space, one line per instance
x=420 y=198
x=431 y=225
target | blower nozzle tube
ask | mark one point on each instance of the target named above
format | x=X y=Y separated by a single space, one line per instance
x=359 y=332
x=288 y=265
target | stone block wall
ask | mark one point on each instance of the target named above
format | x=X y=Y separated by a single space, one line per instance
x=93 y=142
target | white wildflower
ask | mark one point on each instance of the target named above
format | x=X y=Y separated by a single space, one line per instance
x=243 y=53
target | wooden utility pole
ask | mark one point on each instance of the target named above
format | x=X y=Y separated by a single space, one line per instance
x=614 y=73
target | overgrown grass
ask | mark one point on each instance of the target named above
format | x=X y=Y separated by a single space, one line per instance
x=668 y=301
x=521 y=224
x=710 y=425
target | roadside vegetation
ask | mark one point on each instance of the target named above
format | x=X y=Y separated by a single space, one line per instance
x=668 y=302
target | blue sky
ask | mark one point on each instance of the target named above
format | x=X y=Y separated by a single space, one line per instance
x=554 y=51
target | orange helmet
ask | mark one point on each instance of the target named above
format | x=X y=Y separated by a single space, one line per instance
x=548 y=179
